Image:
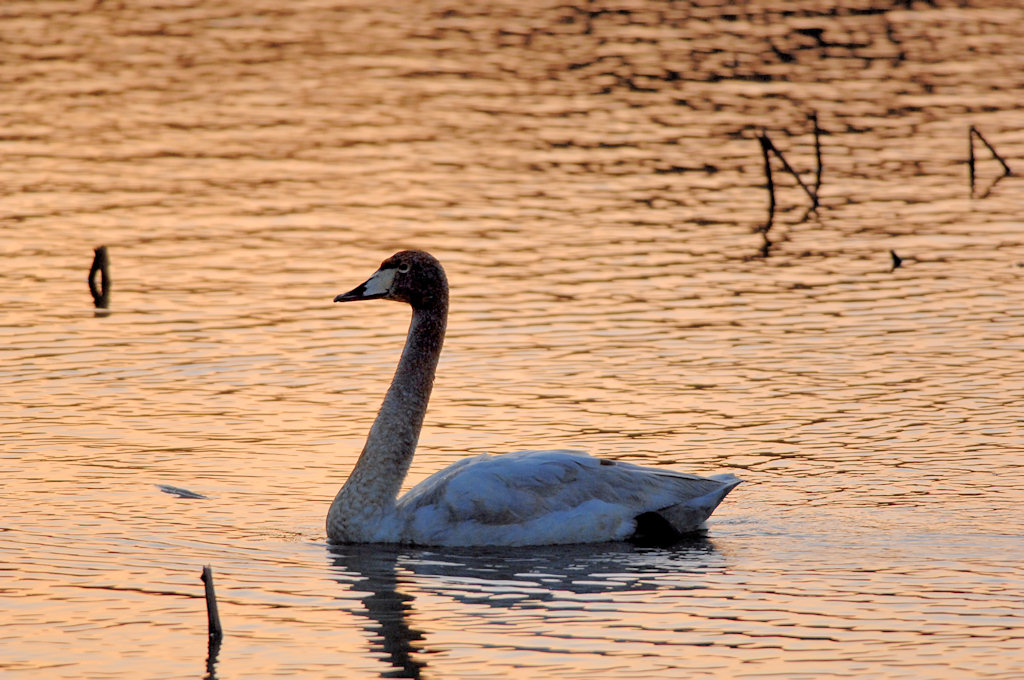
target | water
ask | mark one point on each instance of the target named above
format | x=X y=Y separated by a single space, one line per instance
x=590 y=176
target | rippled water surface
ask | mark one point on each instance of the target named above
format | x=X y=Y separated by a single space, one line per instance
x=591 y=177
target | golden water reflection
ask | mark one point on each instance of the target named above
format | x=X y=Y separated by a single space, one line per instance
x=590 y=176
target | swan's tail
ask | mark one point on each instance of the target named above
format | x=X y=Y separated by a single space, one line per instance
x=690 y=515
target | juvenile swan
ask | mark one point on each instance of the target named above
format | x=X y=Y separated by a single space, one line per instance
x=523 y=498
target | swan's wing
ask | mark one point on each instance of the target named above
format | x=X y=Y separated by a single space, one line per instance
x=544 y=496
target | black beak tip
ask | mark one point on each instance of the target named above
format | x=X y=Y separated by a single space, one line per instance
x=357 y=293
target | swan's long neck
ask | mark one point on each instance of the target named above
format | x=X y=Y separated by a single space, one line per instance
x=371 y=490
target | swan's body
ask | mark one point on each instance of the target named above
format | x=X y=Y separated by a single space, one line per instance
x=524 y=498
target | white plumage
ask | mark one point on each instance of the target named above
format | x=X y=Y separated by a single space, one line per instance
x=544 y=497
x=522 y=498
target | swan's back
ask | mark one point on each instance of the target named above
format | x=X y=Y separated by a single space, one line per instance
x=548 y=497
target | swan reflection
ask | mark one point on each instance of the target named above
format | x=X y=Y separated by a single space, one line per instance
x=522 y=578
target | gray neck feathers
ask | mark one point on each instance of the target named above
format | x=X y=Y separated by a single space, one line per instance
x=377 y=477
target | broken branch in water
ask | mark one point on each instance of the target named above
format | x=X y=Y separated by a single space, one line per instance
x=765 y=147
x=101 y=266
x=817 y=156
x=973 y=132
x=767 y=142
x=212 y=616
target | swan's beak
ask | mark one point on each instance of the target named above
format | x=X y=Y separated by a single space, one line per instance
x=377 y=286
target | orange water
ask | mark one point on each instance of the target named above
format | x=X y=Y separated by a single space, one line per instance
x=590 y=176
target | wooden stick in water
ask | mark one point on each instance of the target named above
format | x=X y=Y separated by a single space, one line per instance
x=790 y=170
x=995 y=154
x=973 y=132
x=765 y=147
x=766 y=243
x=970 y=157
x=213 y=617
x=100 y=265
x=817 y=154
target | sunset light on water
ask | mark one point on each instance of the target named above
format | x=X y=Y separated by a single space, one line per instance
x=591 y=178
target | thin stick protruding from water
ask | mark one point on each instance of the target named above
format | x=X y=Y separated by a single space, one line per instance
x=213 y=617
x=101 y=266
x=817 y=156
x=973 y=132
x=765 y=140
x=765 y=153
x=767 y=149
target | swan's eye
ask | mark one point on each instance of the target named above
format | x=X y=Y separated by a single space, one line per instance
x=403 y=268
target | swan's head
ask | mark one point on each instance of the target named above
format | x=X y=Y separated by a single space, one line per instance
x=410 y=276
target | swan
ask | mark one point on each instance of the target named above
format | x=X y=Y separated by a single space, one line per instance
x=513 y=499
